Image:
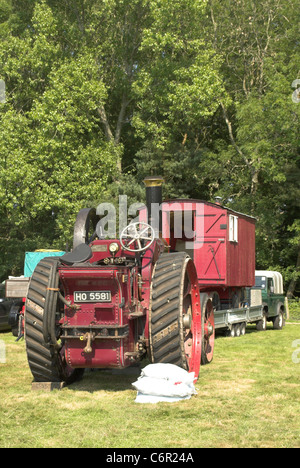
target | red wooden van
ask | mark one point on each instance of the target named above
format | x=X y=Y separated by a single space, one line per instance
x=220 y=241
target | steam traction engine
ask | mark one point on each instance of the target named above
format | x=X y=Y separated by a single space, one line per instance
x=153 y=292
x=109 y=303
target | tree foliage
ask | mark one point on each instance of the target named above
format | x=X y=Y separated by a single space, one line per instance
x=101 y=93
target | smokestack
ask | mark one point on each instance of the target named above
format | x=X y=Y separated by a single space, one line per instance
x=154 y=196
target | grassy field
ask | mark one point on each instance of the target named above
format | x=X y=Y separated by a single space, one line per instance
x=247 y=397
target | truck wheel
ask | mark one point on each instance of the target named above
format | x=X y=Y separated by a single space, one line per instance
x=215 y=298
x=237 y=328
x=230 y=332
x=208 y=329
x=175 y=314
x=13 y=317
x=278 y=321
x=243 y=328
x=262 y=324
x=45 y=355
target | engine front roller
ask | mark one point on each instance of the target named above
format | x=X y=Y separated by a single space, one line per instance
x=45 y=352
x=175 y=325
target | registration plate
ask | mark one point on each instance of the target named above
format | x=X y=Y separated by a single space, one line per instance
x=92 y=296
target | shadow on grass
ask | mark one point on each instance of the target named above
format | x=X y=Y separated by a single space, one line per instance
x=109 y=380
x=118 y=380
x=249 y=330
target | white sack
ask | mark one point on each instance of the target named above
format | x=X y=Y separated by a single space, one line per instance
x=168 y=372
x=162 y=387
x=164 y=382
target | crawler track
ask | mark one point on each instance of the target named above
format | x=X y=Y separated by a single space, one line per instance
x=175 y=315
x=45 y=355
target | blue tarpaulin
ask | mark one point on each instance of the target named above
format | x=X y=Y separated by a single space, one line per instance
x=33 y=258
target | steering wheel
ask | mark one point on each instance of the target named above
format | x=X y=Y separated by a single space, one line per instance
x=137 y=232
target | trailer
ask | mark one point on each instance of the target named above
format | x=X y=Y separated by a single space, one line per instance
x=233 y=322
x=16 y=288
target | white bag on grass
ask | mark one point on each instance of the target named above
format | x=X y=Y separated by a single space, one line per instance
x=168 y=372
x=162 y=387
x=164 y=382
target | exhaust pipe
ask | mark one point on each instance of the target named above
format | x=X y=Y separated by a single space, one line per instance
x=154 y=201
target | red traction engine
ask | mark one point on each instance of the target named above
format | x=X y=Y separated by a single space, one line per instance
x=110 y=303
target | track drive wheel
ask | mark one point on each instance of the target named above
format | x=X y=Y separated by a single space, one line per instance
x=208 y=329
x=175 y=314
x=44 y=353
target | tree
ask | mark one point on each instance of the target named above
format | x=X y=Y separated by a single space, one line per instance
x=111 y=32
x=178 y=92
x=101 y=94
x=258 y=42
x=52 y=159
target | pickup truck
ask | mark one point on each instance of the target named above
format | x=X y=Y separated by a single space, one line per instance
x=273 y=298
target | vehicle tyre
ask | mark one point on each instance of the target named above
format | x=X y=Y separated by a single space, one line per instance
x=215 y=298
x=13 y=317
x=175 y=314
x=243 y=329
x=231 y=333
x=262 y=324
x=44 y=353
x=278 y=321
x=237 y=328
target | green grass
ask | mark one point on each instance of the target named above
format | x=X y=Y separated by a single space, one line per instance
x=247 y=397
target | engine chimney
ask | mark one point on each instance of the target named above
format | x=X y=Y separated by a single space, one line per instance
x=154 y=201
